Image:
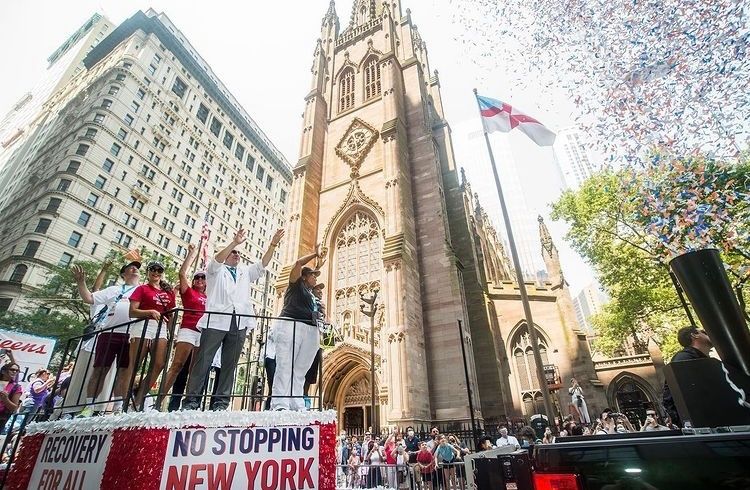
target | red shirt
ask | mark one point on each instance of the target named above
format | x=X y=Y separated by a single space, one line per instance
x=426 y=459
x=153 y=299
x=192 y=300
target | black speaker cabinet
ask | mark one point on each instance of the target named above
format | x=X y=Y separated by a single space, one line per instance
x=702 y=395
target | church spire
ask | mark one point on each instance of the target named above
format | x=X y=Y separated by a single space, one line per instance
x=330 y=18
x=550 y=254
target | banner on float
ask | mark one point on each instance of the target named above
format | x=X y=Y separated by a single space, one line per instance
x=71 y=461
x=30 y=352
x=264 y=458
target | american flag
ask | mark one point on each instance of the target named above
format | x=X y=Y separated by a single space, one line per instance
x=205 y=235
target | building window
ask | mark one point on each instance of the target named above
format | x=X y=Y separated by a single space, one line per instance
x=75 y=239
x=239 y=152
x=179 y=87
x=92 y=200
x=215 y=127
x=43 y=225
x=202 y=113
x=260 y=173
x=99 y=118
x=113 y=90
x=65 y=260
x=372 y=78
x=127 y=65
x=73 y=166
x=99 y=182
x=346 y=90
x=141 y=93
x=128 y=119
x=115 y=149
x=54 y=205
x=135 y=106
x=64 y=185
x=228 y=139
x=120 y=77
x=250 y=162
x=91 y=133
x=282 y=196
x=84 y=218
x=31 y=247
x=108 y=165
x=122 y=134
x=269 y=182
x=82 y=149
x=106 y=104
x=18 y=273
x=151 y=69
x=525 y=367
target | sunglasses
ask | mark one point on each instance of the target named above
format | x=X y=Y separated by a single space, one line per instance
x=235 y=252
x=13 y=370
x=200 y=276
x=158 y=270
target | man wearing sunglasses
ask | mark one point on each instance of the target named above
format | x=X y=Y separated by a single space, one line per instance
x=228 y=286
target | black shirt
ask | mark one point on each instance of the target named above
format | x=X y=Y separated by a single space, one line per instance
x=299 y=303
x=687 y=354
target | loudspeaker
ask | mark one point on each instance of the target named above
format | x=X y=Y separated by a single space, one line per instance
x=702 y=395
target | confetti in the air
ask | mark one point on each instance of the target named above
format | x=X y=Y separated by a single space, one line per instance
x=671 y=74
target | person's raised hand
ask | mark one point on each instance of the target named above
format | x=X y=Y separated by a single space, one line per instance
x=277 y=236
x=191 y=248
x=78 y=273
x=240 y=236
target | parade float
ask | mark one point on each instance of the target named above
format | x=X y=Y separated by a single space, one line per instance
x=180 y=450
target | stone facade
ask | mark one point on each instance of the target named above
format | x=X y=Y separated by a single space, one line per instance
x=377 y=185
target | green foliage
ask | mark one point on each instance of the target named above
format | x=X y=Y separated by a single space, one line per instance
x=612 y=229
x=58 y=326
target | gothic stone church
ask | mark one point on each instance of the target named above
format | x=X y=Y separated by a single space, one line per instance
x=377 y=184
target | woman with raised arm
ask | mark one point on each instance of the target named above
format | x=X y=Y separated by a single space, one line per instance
x=296 y=335
x=193 y=296
x=151 y=301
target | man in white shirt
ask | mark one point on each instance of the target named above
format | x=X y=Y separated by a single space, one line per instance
x=227 y=291
x=506 y=440
x=114 y=344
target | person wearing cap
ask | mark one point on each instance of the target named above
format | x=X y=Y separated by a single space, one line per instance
x=193 y=296
x=112 y=345
x=296 y=336
x=228 y=286
x=152 y=302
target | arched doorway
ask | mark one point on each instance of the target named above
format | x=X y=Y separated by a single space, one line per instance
x=630 y=394
x=347 y=387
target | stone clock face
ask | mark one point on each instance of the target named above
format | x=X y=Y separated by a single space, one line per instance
x=356 y=141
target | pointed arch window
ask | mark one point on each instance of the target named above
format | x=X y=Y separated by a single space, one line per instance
x=357 y=262
x=346 y=90
x=525 y=369
x=372 y=78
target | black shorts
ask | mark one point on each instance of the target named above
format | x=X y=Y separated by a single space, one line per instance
x=111 y=346
x=311 y=377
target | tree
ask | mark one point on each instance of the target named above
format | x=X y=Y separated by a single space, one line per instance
x=59 y=295
x=59 y=326
x=614 y=226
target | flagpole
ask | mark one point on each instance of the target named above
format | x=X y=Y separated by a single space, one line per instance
x=521 y=285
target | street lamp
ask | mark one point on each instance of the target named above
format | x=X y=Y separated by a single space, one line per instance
x=371 y=313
